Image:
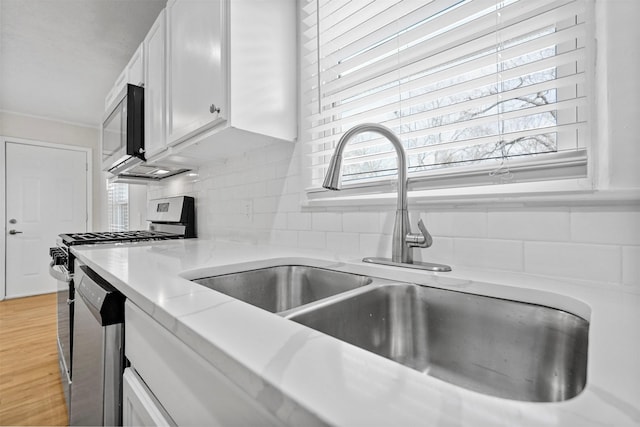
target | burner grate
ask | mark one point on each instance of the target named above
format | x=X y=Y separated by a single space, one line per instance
x=116 y=236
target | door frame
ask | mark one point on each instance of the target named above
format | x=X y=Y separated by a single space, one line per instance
x=3 y=195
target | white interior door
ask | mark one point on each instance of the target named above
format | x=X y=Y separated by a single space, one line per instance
x=46 y=195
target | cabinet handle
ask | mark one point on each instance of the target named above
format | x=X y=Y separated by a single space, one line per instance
x=214 y=109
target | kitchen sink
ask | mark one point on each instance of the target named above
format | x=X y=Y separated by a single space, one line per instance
x=494 y=346
x=281 y=288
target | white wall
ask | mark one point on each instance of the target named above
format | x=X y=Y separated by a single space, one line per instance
x=44 y=130
x=583 y=241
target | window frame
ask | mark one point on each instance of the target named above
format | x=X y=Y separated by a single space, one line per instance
x=471 y=184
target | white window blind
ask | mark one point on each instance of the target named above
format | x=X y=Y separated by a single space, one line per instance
x=472 y=87
x=118 y=206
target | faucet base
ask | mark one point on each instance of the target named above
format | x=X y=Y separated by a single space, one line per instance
x=416 y=264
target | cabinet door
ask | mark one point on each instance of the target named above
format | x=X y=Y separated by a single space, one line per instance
x=154 y=91
x=115 y=91
x=135 y=67
x=189 y=388
x=196 y=92
x=133 y=73
x=139 y=406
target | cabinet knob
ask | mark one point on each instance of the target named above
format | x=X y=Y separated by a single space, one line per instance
x=214 y=109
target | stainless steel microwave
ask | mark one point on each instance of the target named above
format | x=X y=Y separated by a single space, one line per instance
x=123 y=131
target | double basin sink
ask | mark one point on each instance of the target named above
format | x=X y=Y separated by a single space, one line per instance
x=499 y=347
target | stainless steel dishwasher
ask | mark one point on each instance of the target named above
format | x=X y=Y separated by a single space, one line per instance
x=98 y=353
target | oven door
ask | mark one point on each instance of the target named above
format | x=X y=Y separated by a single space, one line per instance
x=65 y=320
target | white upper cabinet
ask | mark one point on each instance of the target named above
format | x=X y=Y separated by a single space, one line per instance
x=133 y=73
x=231 y=77
x=135 y=67
x=194 y=67
x=220 y=79
x=154 y=91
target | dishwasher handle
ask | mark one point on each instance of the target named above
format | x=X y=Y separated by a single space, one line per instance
x=102 y=299
x=59 y=273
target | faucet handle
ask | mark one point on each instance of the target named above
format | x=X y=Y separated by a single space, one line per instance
x=422 y=240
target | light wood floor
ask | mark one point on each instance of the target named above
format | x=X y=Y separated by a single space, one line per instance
x=30 y=387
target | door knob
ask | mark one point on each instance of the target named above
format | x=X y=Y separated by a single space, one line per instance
x=15 y=232
x=12 y=221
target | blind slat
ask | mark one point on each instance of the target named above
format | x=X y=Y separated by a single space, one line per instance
x=569 y=81
x=375 y=99
x=484 y=120
x=335 y=82
x=462 y=143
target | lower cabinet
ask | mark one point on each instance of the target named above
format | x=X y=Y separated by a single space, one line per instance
x=139 y=405
x=180 y=383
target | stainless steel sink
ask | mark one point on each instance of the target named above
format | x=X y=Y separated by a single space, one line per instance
x=282 y=288
x=498 y=347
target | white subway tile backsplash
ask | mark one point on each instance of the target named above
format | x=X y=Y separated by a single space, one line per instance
x=469 y=224
x=343 y=243
x=440 y=252
x=326 y=221
x=293 y=184
x=387 y=222
x=620 y=227
x=486 y=253
x=289 y=203
x=299 y=221
x=545 y=225
x=457 y=223
x=439 y=223
x=582 y=261
x=361 y=222
x=278 y=153
x=257 y=189
x=265 y=205
x=263 y=221
x=375 y=245
x=280 y=221
x=281 y=170
x=312 y=239
x=274 y=187
x=601 y=244
x=286 y=238
x=631 y=265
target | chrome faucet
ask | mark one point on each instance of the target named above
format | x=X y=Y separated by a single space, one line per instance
x=403 y=241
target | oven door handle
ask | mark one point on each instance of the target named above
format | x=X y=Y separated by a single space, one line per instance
x=59 y=274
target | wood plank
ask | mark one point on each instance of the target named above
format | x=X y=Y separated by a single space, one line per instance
x=30 y=387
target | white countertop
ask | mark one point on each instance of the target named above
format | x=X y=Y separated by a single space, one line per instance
x=305 y=377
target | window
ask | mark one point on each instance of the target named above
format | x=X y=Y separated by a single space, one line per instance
x=479 y=91
x=118 y=206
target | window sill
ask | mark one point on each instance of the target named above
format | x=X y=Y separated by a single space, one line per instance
x=542 y=194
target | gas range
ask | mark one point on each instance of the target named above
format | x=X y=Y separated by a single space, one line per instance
x=60 y=253
x=169 y=218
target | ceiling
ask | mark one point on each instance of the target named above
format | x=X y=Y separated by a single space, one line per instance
x=59 y=58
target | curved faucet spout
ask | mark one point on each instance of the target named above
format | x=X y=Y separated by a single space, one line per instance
x=332 y=178
x=403 y=240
